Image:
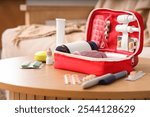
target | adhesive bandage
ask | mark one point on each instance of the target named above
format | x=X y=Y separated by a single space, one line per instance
x=134 y=75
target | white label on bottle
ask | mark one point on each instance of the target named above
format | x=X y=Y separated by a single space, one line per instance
x=78 y=46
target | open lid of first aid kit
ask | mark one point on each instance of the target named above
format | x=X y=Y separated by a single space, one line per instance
x=116 y=31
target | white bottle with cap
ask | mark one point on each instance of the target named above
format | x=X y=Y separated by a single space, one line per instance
x=125 y=19
x=125 y=29
x=49 y=58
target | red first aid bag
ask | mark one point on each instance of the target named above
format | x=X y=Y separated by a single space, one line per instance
x=119 y=34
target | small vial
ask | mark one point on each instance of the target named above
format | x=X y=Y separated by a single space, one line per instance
x=119 y=44
x=131 y=46
x=49 y=59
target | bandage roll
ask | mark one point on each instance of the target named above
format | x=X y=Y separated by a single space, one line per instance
x=125 y=28
x=60 y=31
x=125 y=18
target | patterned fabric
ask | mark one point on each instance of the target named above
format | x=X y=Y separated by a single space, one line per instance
x=35 y=31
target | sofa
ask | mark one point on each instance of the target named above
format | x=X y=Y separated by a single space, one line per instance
x=9 y=49
x=29 y=47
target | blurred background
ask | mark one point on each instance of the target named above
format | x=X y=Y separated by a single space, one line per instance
x=15 y=13
x=19 y=12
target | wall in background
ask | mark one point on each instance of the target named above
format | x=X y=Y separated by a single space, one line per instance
x=62 y=2
x=10 y=14
x=41 y=11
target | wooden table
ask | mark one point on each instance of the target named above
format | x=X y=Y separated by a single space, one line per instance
x=48 y=83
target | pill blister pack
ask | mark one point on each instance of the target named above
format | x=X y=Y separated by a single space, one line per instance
x=101 y=28
x=73 y=79
x=31 y=65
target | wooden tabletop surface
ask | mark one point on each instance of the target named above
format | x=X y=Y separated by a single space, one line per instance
x=49 y=81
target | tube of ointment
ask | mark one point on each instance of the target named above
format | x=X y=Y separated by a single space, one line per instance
x=104 y=80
